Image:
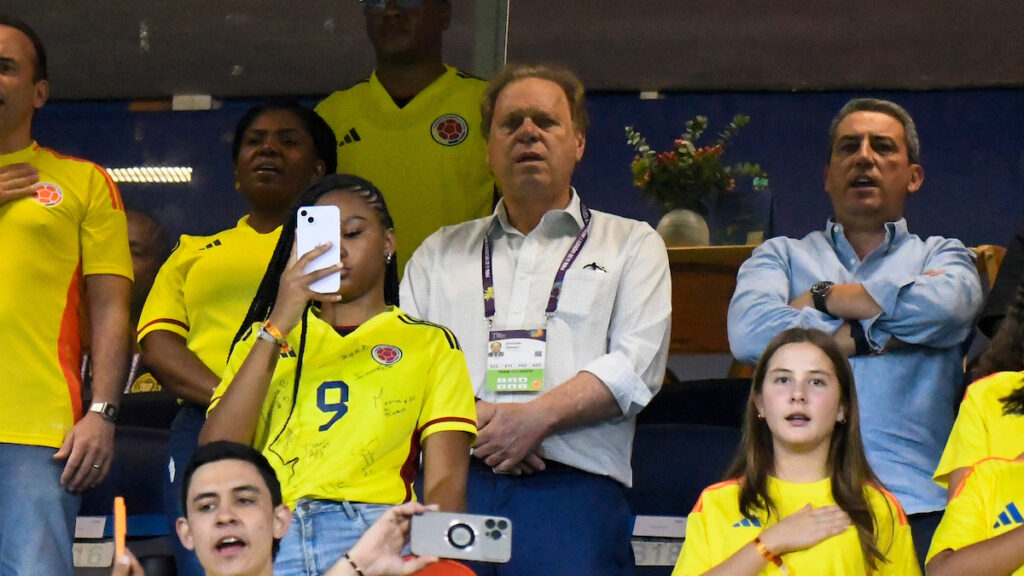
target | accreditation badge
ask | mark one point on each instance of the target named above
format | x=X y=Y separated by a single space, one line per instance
x=515 y=361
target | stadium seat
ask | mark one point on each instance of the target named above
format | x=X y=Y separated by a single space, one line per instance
x=148 y=410
x=672 y=464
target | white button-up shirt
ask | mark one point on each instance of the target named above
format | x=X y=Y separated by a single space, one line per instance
x=613 y=317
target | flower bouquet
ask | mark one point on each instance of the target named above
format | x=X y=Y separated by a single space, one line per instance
x=693 y=185
x=690 y=176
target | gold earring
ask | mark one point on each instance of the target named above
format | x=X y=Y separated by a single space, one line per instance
x=760 y=416
x=387 y=258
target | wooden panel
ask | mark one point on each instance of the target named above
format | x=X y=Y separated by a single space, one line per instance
x=990 y=258
x=703 y=280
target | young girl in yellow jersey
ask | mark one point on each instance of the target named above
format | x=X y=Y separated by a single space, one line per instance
x=985 y=427
x=801 y=498
x=341 y=391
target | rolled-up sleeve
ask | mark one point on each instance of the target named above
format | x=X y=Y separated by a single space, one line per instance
x=760 y=308
x=638 y=335
x=936 y=308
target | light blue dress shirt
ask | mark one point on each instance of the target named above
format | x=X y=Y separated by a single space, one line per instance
x=906 y=394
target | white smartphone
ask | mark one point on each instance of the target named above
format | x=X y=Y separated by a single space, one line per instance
x=315 y=226
x=475 y=537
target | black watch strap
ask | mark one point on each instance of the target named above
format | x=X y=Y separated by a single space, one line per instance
x=819 y=292
x=860 y=339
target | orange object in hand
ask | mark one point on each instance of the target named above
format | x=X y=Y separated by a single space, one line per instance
x=120 y=527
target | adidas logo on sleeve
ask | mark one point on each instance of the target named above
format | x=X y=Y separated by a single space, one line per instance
x=747 y=523
x=348 y=138
x=1009 y=516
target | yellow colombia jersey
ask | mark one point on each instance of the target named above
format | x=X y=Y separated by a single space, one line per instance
x=74 y=226
x=203 y=291
x=981 y=429
x=989 y=503
x=429 y=158
x=715 y=530
x=365 y=404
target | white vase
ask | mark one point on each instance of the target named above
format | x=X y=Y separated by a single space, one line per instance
x=682 y=227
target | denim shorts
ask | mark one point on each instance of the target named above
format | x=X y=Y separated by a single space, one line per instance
x=321 y=531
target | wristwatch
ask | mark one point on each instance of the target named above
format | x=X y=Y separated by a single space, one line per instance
x=819 y=292
x=262 y=334
x=105 y=409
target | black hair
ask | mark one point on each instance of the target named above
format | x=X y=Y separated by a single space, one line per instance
x=891 y=109
x=324 y=143
x=1005 y=353
x=39 y=67
x=1013 y=403
x=163 y=245
x=224 y=450
x=266 y=294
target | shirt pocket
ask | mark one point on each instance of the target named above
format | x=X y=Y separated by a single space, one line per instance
x=588 y=295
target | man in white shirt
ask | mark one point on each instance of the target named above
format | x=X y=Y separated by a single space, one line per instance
x=580 y=302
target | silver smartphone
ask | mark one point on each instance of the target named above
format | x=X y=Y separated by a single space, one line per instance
x=314 y=226
x=475 y=537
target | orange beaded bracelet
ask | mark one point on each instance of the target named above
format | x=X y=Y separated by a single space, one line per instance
x=278 y=336
x=770 y=556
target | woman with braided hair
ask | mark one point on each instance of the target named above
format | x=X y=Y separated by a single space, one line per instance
x=342 y=391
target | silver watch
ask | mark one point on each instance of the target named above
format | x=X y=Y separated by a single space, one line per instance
x=105 y=409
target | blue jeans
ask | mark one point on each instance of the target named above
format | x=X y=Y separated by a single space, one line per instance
x=37 y=515
x=181 y=445
x=321 y=531
x=565 y=522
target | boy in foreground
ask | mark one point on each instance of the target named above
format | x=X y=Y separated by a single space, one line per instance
x=234 y=520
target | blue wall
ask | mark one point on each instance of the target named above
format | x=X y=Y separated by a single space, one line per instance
x=972 y=151
x=971 y=142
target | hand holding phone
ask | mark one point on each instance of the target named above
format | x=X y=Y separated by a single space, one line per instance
x=120 y=527
x=476 y=537
x=315 y=226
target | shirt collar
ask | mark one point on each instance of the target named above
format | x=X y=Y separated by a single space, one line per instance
x=895 y=232
x=243 y=223
x=26 y=154
x=571 y=213
x=376 y=85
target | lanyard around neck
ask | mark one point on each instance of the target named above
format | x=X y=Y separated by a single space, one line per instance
x=487 y=269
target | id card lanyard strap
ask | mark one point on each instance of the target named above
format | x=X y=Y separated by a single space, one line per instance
x=487 y=270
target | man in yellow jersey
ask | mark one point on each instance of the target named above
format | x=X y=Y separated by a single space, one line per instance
x=413 y=127
x=64 y=245
x=580 y=304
